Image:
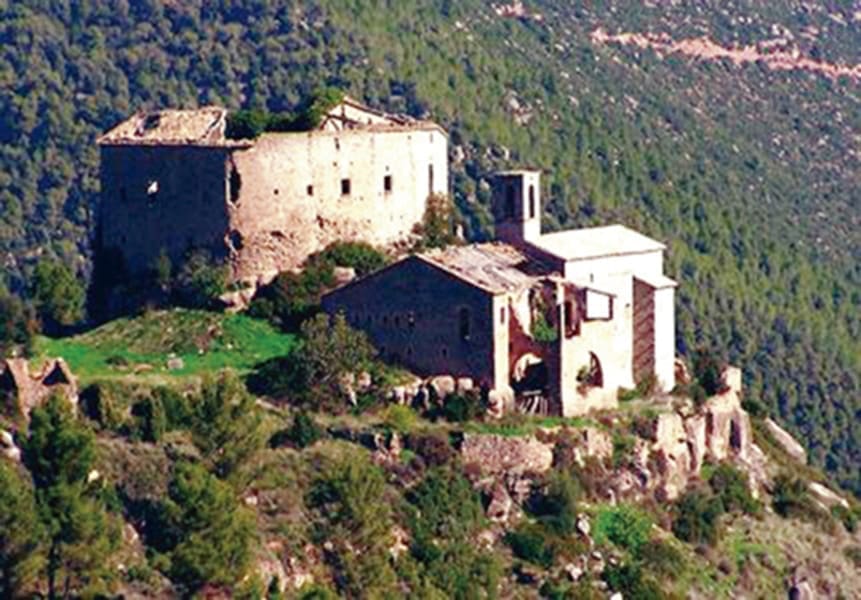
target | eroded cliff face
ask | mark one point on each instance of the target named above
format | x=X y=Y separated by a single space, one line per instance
x=664 y=453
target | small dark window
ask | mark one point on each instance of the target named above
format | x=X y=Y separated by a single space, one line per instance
x=444 y=352
x=430 y=179
x=345 y=187
x=337 y=144
x=235 y=184
x=531 y=201
x=463 y=323
x=569 y=318
x=310 y=190
x=275 y=191
x=387 y=183
x=236 y=240
x=502 y=315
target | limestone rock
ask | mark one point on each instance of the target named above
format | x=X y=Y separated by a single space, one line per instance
x=500 y=455
x=174 y=363
x=8 y=447
x=695 y=430
x=826 y=496
x=465 y=385
x=574 y=572
x=500 y=401
x=597 y=443
x=363 y=381
x=786 y=441
x=582 y=525
x=443 y=385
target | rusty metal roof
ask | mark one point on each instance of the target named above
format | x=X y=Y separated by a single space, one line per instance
x=494 y=267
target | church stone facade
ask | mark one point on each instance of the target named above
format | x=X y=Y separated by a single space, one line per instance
x=550 y=323
x=172 y=182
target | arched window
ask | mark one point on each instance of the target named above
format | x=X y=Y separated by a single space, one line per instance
x=463 y=323
x=531 y=201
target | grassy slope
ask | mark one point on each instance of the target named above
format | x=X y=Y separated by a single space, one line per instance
x=204 y=341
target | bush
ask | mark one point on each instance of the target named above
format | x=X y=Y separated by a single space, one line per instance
x=630 y=580
x=707 y=372
x=360 y=256
x=302 y=433
x=459 y=408
x=697 y=517
x=848 y=516
x=731 y=486
x=791 y=498
x=625 y=526
x=152 y=420
x=556 y=507
x=438 y=223
x=528 y=543
x=201 y=280
x=434 y=448
x=399 y=418
x=17 y=324
x=663 y=559
x=623 y=446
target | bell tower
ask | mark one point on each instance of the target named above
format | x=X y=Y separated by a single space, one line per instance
x=516 y=204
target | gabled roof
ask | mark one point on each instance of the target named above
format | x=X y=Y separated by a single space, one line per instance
x=494 y=267
x=596 y=242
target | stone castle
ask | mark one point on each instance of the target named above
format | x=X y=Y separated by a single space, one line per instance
x=172 y=181
x=551 y=323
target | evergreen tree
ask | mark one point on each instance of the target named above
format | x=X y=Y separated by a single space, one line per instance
x=216 y=532
x=225 y=424
x=59 y=453
x=58 y=294
x=21 y=557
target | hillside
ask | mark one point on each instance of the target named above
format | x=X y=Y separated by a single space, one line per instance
x=750 y=173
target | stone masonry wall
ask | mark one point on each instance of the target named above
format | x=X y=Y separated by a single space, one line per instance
x=268 y=206
x=291 y=201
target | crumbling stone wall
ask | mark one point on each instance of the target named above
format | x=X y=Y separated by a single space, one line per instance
x=266 y=206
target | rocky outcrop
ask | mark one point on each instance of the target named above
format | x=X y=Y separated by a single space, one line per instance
x=500 y=455
x=825 y=497
x=786 y=441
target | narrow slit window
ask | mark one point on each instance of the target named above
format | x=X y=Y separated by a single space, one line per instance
x=310 y=190
x=387 y=183
x=345 y=187
x=430 y=179
x=531 y=201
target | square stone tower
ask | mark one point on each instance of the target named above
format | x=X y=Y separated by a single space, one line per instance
x=516 y=205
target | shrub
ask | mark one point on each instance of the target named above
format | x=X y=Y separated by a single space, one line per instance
x=707 y=371
x=630 y=580
x=731 y=486
x=623 y=446
x=434 y=448
x=107 y=403
x=177 y=410
x=399 y=418
x=302 y=433
x=361 y=256
x=528 y=543
x=791 y=498
x=459 y=408
x=17 y=324
x=152 y=420
x=663 y=558
x=201 y=280
x=848 y=516
x=438 y=222
x=697 y=516
x=556 y=507
x=625 y=526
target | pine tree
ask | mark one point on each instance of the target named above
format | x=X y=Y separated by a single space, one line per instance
x=21 y=556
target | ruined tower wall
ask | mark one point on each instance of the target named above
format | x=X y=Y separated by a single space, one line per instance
x=162 y=197
x=298 y=192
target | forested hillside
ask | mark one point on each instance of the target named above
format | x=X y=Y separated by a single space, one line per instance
x=751 y=174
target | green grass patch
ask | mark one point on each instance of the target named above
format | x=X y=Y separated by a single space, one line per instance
x=141 y=346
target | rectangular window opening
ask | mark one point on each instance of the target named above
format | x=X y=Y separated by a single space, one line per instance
x=310 y=190
x=345 y=187
x=387 y=183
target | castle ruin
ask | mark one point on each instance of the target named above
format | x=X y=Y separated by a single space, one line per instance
x=172 y=181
